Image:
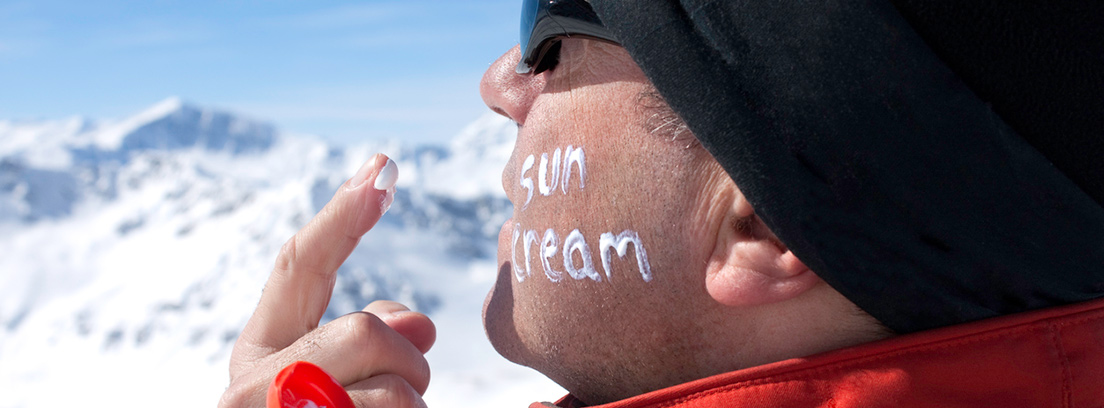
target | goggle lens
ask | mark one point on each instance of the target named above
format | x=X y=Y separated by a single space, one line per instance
x=544 y=22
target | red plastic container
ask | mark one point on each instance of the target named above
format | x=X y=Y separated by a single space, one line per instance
x=305 y=385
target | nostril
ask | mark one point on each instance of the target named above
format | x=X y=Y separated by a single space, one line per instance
x=507 y=93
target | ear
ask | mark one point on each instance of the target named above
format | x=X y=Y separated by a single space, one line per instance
x=749 y=265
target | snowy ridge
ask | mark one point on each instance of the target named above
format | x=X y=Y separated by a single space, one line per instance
x=135 y=251
x=172 y=124
x=47 y=167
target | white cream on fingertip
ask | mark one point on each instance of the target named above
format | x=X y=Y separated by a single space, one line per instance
x=386 y=200
x=387 y=176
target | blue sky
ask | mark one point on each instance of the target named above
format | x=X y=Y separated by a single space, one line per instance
x=344 y=70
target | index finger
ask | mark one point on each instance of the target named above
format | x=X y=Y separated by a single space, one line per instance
x=302 y=281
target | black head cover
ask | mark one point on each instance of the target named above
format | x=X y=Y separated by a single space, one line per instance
x=931 y=184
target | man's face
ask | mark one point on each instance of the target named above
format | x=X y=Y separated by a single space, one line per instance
x=566 y=301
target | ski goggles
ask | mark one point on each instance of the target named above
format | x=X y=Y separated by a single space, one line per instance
x=545 y=22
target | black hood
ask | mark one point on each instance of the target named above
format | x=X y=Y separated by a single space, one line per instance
x=936 y=164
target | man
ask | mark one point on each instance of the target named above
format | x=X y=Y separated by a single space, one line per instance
x=860 y=174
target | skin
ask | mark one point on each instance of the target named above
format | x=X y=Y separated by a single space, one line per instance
x=726 y=293
x=572 y=330
x=376 y=354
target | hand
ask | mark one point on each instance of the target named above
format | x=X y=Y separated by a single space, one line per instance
x=376 y=354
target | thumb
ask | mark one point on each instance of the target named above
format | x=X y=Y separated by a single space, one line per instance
x=415 y=327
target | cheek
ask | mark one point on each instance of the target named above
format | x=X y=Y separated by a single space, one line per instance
x=631 y=189
x=519 y=177
x=509 y=176
x=657 y=188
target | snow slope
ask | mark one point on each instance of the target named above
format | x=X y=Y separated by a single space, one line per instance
x=135 y=250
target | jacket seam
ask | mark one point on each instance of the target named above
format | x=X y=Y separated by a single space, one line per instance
x=814 y=372
x=806 y=373
x=1063 y=361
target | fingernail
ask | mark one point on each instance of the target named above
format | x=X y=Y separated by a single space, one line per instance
x=397 y=314
x=362 y=174
x=385 y=308
x=399 y=310
x=387 y=176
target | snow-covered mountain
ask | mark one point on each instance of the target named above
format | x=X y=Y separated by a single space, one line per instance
x=134 y=252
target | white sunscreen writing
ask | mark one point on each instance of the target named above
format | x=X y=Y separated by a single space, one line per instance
x=575 y=246
x=548 y=250
x=572 y=155
x=530 y=239
x=621 y=242
x=520 y=273
x=575 y=243
x=551 y=174
x=547 y=188
x=526 y=182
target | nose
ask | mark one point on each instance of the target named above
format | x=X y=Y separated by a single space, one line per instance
x=508 y=93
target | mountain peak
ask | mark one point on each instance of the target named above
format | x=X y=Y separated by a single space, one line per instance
x=173 y=124
x=164 y=108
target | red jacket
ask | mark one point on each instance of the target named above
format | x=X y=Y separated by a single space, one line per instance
x=1047 y=358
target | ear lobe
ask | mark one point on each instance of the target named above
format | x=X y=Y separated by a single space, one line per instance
x=750 y=266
